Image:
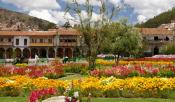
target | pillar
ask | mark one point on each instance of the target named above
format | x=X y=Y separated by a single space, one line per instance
x=47 y=53
x=72 y=49
x=55 y=52
x=5 y=54
x=64 y=54
x=22 y=51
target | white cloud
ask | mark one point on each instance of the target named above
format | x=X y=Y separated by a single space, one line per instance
x=34 y=4
x=115 y=2
x=141 y=18
x=149 y=8
x=95 y=16
x=57 y=17
x=92 y=2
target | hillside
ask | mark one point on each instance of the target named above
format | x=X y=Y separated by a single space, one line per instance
x=11 y=20
x=163 y=18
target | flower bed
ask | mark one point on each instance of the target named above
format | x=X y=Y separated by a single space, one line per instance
x=97 y=87
x=37 y=95
x=55 y=71
x=136 y=70
x=151 y=59
x=111 y=63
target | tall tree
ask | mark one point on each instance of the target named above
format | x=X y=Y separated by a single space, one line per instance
x=92 y=29
x=122 y=39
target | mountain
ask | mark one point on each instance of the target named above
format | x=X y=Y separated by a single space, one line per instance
x=11 y=20
x=163 y=18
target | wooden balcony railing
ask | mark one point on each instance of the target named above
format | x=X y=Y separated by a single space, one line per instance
x=6 y=43
x=41 y=44
x=68 y=44
x=158 y=41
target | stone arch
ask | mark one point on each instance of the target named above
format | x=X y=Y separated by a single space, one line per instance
x=60 y=52
x=2 y=53
x=68 y=52
x=156 y=50
x=51 y=53
x=43 y=53
x=9 y=53
x=26 y=53
x=18 y=52
x=34 y=52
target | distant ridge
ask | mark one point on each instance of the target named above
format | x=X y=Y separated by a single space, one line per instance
x=11 y=20
x=163 y=18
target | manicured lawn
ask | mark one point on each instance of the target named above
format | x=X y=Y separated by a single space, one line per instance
x=72 y=76
x=12 y=99
x=23 y=99
x=132 y=100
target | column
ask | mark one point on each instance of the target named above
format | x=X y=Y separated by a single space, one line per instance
x=22 y=51
x=14 y=53
x=5 y=54
x=30 y=52
x=72 y=49
x=55 y=52
x=47 y=53
x=64 y=54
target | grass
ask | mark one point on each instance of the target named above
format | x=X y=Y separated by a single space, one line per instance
x=72 y=76
x=12 y=99
x=132 y=100
x=23 y=99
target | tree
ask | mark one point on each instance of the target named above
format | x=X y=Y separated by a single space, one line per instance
x=122 y=39
x=67 y=25
x=92 y=30
x=168 y=48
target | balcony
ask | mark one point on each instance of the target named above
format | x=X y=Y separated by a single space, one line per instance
x=6 y=43
x=158 y=41
x=68 y=44
x=41 y=44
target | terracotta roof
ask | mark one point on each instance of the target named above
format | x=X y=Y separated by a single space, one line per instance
x=60 y=31
x=28 y=33
x=68 y=31
x=156 y=31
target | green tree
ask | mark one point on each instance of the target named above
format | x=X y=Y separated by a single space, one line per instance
x=168 y=48
x=92 y=30
x=122 y=39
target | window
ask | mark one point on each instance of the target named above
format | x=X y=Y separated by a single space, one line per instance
x=167 y=38
x=1 y=39
x=25 y=41
x=41 y=40
x=9 y=39
x=156 y=38
x=17 y=41
x=50 y=40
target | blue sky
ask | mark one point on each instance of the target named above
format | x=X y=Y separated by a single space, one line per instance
x=53 y=10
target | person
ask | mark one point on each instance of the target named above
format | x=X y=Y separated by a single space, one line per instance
x=65 y=59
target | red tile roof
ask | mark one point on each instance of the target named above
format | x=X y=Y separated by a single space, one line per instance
x=156 y=31
x=68 y=31
x=60 y=31
x=27 y=33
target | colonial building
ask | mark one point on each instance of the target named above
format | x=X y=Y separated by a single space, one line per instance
x=155 y=38
x=46 y=44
